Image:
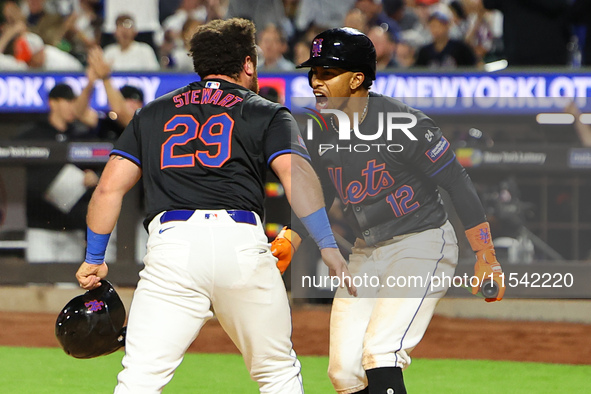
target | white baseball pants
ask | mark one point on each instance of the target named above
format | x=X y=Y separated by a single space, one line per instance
x=208 y=262
x=384 y=323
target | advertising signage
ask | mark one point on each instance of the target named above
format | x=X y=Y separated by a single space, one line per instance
x=434 y=93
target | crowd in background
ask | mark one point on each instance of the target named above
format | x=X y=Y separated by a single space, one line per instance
x=152 y=35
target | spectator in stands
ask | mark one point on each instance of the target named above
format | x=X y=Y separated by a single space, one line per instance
x=375 y=15
x=128 y=54
x=262 y=12
x=301 y=51
x=175 y=54
x=88 y=22
x=404 y=16
x=273 y=45
x=323 y=13
x=11 y=14
x=144 y=13
x=406 y=53
x=459 y=19
x=385 y=44
x=444 y=52
x=192 y=12
x=56 y=226
x=47 y=25
x=356 y=19
x=188 y=9
x=123 y=102
x=30 y=49
x=423 y=9
x=580 y=14
x=9 y=63
x=535 y=33
x=480 y=35
x=83 y=28
x=371 y=9
x=9 y=32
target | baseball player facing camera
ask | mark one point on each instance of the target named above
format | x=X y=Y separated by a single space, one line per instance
x=203 y=152
x=391 y=200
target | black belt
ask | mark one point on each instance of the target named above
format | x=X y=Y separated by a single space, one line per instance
x=182 y=215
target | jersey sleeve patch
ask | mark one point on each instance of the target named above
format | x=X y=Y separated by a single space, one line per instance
x=438 y=150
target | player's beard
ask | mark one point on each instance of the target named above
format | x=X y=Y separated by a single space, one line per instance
x=254 y=83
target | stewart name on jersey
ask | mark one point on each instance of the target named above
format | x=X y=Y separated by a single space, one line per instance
x=205 y=137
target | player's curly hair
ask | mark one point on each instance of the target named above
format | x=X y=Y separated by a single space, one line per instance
x=220 y=47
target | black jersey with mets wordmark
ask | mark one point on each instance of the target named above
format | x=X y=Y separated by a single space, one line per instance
x=208 y=146
x=388 y=184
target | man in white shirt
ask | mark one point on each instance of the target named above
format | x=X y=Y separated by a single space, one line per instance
x=128 y=54
x=145 y=14
x=29 y=48
x=9 y=63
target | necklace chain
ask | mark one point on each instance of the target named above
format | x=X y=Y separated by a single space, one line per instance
x=360 y=121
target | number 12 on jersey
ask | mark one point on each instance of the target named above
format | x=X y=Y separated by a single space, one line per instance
x=400 y=199
x=216 y=132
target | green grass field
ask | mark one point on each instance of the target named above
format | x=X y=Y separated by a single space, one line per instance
x=39 y=371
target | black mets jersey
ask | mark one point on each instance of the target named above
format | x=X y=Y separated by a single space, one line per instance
x=207 y=146
x=388 y=183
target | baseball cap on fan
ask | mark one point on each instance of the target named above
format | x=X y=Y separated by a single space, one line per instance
x=27 y=45
x=131 y=92
x=440 y=16
x=62 y=91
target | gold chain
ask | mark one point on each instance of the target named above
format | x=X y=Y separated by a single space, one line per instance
x=362 y=115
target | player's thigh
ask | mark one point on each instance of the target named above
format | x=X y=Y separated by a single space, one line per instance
x=249 y=297
x=169 y=305
x=407 y=302
x=162 y=324
x=409 y=266
x=258 y=320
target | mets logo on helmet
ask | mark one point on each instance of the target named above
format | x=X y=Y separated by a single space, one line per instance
x=317 y=47
x=94 y=305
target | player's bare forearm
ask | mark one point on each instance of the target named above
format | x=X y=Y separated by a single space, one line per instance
x=300 y=182
x=118 y=177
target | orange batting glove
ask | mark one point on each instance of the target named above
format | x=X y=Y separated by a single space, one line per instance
x=284 y=246
x=486 y=266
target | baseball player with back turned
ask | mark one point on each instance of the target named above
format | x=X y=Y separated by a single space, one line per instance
x=391 y=200
x=203 y=151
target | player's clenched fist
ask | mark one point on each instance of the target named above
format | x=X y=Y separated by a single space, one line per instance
x=90 y=275
x=487 y=267
x=284 y=246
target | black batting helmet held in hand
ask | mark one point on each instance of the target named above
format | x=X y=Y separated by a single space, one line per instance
x=343 y=47
x=91 y=324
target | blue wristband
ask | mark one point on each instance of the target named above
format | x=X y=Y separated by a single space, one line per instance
x=96 y=245
x=319 y=228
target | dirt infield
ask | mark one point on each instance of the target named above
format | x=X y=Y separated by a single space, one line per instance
x=566 y=343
